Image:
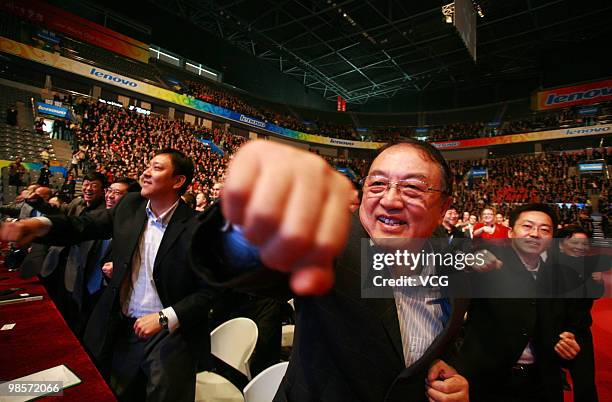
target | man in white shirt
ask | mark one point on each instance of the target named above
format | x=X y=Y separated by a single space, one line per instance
x=149 y=329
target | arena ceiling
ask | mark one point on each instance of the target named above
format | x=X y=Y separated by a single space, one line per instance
x=367 y=49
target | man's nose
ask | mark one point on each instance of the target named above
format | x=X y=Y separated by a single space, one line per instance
x=392 y=197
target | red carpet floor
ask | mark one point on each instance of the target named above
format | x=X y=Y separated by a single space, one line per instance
x=602 y=338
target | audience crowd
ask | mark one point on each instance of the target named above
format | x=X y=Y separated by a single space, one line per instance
x=118 y=142
x=539 y=121
x=232 y=102
x=114 y=146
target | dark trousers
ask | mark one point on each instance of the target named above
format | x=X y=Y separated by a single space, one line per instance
x=516 y=385
x=161 y=368
x=582 y=369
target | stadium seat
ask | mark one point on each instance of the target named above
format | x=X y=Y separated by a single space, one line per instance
x=263 y=387
x=287 y=335
x=211 y=387
x=233 y=342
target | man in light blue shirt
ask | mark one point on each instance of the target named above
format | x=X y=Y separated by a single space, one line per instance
x=149 y=331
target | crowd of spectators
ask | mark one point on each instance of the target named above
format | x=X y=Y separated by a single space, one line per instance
x=232 y=102
x=538 y=121
x=565 y=118
x=118 y=143
x=547 y=177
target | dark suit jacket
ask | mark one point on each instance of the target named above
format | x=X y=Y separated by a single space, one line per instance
x=497 y=330
x=346 y=348
x=176 y=284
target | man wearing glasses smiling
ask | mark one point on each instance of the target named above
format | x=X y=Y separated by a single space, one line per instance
x=116 y=191
x=284 y=222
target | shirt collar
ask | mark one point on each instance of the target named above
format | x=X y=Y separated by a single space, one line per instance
x=164 y=217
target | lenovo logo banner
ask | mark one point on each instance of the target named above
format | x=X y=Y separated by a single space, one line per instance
x=113 y=77
x=575 y=95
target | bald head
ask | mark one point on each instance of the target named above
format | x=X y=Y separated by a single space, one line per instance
x=43 y=192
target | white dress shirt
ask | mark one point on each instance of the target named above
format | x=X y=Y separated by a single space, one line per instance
x=143 y=298
x=421 y=317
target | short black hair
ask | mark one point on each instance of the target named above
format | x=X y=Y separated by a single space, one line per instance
x=570 y=230
x=536 y=207
x=431 y=153
x=133 y=186
x=189 y=200
x=182 y=165
x=95 y=176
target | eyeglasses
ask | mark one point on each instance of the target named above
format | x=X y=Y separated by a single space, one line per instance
x=409 y=188
x=114 y=192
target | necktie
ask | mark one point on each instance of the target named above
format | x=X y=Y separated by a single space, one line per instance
x=94 y=283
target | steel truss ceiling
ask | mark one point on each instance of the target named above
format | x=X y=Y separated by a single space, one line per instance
x=366 y=49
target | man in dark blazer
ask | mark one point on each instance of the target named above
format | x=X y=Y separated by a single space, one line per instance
x=89 y=284
x=151 y=321
x=515 y=339
x=295 y=208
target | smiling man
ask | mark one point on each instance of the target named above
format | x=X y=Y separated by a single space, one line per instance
x=295 y=208
x=148 y=327
x=119 y=188
x=93 y=189
x=514 y=342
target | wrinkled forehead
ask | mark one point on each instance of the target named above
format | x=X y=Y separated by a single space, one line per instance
x=119 y=186
x=92 y=183
x=534 y=217
x=405 y=160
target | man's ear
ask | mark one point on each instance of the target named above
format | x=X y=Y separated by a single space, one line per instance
x=179 y=181
x=446 y=205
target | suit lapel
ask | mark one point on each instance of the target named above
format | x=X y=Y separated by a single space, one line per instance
x=387 y=311
x=175 y=227
x=383 y=307
x=130 y=231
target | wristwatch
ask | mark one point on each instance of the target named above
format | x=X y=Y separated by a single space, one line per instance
x=163 y=320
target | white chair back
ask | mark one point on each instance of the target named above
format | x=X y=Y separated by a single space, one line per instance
x=234 y=342
x=263 y=387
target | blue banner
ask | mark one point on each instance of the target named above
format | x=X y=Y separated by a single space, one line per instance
x=213 y=146
x=348 y=172
x=51 y=110
x=588 y=167
x=588 y=110
x=478 y=172
x=48 y=36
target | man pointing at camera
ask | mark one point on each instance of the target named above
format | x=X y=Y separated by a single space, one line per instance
x=283 y=230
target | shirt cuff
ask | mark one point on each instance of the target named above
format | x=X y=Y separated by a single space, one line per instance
x=44 y=220
x=173 y=322
x=48 y=224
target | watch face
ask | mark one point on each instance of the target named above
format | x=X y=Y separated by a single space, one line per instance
x=163 y=321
